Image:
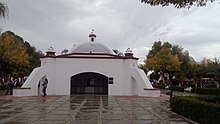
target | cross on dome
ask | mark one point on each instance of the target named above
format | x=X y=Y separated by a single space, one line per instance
x=92 y=36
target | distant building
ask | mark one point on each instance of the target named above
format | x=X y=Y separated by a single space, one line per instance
x=90 y=68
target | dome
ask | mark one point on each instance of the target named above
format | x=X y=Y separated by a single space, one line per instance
x=91 y=47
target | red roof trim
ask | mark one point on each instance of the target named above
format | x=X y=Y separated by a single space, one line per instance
x=152 y=89
x=87 y=55
x=91 y=57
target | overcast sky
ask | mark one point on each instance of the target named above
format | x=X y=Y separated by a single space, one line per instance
x=119 y=24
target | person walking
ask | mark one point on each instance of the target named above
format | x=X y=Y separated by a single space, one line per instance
x=9 y=88
x=44 y=87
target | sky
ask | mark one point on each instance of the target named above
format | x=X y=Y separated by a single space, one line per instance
x=119 y=24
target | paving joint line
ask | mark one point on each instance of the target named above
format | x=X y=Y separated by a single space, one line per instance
x=157 y=115
x=124 y=109
x=72 y=116
x=100 y=111
x=47 y=113
x=14 y=116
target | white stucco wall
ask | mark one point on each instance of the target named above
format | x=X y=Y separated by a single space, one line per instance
x=31 y=82
x=108 y=67
x=128 y=79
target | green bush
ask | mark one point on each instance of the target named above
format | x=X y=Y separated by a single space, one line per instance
x=175 y=88
x=160 y=86
x=3 y=87
x=196 y=109
x=206 y=91
x=212 y=99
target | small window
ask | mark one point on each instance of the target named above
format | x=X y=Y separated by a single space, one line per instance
x=91 y=82
x=110 y=80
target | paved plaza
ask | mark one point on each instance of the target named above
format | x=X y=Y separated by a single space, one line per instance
x=88 y=110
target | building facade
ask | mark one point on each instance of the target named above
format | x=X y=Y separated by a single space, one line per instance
x=89 y=68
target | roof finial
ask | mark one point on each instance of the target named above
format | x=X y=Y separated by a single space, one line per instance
x=50 y=52
x=92 y=36
x=50 y=49
x=129 y=52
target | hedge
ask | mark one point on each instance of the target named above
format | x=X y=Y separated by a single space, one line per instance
x=175 y=88
x=211 y=99
x=3 y=87
x=160 y=86
x=206 y=91
x=196 y=109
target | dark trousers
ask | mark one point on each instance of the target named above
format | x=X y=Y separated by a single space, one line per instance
x=44 y=91
x=9 y=90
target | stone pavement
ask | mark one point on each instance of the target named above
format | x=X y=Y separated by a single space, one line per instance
x=88 y=110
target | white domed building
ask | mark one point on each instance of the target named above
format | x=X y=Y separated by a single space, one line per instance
x=90 y=68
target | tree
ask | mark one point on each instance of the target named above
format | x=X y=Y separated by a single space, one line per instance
x=34 y=56
x=164 y=63
x=64 y=51
x=13 y=55
x=217 y=75
x=157 y=46
x=141 y=66
x=154 y=49
x=154 y=77
x=115 y=51
x=208 y=68
x=187 y=62
x=177 y=3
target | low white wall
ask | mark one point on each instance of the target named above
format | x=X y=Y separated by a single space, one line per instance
x=144 y=83
x=31 y=82
x=22 y=92
x=151 y=93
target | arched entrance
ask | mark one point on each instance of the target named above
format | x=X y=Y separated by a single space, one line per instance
x=89 y=83
x=134 y=86
x=40 y=86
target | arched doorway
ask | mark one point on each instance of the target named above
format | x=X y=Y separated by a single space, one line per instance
x=134 y=86
x=40 y=86
x=89 y=83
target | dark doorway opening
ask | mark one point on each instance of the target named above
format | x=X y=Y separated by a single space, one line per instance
x=89 y=83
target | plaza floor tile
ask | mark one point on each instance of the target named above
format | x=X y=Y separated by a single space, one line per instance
x=83 y=109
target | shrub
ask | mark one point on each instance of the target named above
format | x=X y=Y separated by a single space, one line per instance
x=191 y=84
x=206 y=91
x=159 y=85
x=212 y=99
x=196 y=109
x=175 y=88
x=3 y=87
